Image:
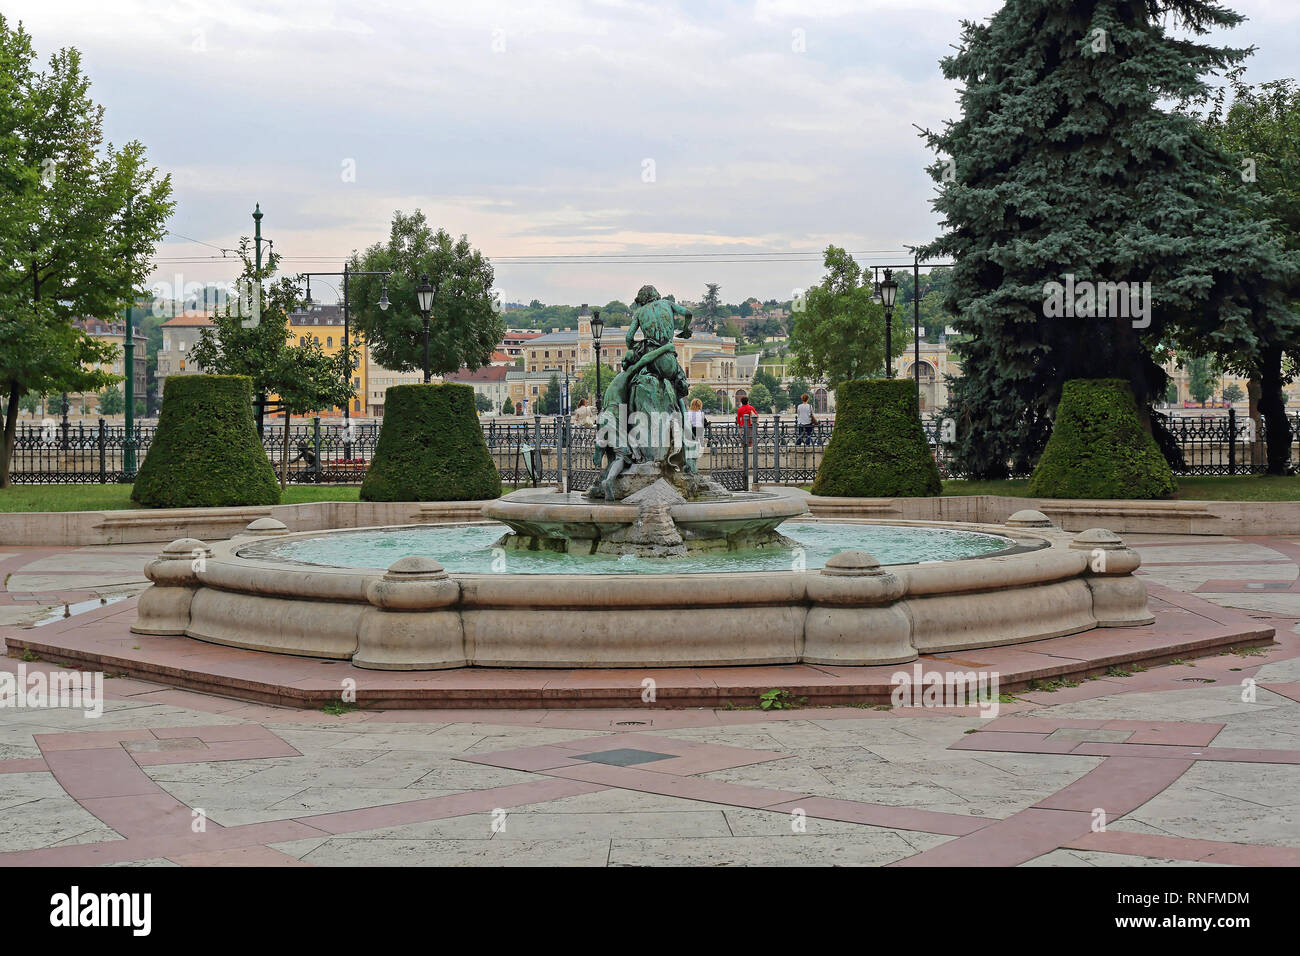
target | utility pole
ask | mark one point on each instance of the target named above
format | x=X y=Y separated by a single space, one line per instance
x=257 y=260
x=128 y=350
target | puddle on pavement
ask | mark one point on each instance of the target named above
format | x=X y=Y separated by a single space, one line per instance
x=64 y=611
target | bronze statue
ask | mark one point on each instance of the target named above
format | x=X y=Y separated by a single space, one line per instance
x=643 y=420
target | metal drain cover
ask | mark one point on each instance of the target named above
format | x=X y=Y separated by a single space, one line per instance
x=1198 y=680
x=631 y=723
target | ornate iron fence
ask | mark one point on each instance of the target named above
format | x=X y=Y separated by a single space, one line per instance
x=554 y=451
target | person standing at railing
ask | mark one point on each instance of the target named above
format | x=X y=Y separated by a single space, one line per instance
x=804 y=420
x=584 y=414
x=746 y=416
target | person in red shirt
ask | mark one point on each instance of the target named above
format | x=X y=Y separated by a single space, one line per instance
x=747 y=424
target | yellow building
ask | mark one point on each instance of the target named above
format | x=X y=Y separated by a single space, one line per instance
x=324 y=325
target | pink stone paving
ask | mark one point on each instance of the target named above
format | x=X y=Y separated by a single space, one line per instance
x=207 y=727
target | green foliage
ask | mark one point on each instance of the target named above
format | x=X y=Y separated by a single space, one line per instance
x=430 y=448
x=1262 y=131
x=840 y=335
x=240 y=342
x=730 y=329
x=780 y=399
x=1099 y=449
x=584 y=386
x=707 y=396
x=507 y=407
x=877 y=449
x=112 y=401
x=206 y=452
x=482 y=403
x=251 y=338
x=1066 y=161
x=797 y=389
x=466 y=324
x=552 y=402
x=81 y=220
x=1200 y=378
x=760 y=398
x=709 y=313
x=1233 y=393
x=777 y=699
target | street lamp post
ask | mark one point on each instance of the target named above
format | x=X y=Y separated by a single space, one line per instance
x=425 y=293
x=888 y=294
x=597 y=328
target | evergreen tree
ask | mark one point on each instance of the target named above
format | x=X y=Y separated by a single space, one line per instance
x=709 y=313
x=1063 y=164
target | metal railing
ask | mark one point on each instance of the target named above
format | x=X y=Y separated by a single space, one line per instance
x=555 y=451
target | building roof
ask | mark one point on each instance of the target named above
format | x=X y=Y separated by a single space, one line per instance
x=317 y=315
x=569 y=337
x=711 y=354
x=563 y=337
x=189 y=318
x=488 y=373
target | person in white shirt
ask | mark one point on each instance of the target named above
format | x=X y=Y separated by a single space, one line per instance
x=584 y=414
x=695 y=419
x=804 y=421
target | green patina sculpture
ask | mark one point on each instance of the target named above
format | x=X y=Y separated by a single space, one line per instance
x=643 y=417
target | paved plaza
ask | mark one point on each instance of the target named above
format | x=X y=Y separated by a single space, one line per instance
x=1176 y=764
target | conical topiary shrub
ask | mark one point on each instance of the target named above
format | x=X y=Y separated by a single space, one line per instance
x=206 y=452
x=431 y=448
x=877 y=448
x=1098 y=447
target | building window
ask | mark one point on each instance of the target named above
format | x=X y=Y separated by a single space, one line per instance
x=329 y=341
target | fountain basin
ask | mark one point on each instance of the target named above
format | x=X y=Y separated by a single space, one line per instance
x=852 y=611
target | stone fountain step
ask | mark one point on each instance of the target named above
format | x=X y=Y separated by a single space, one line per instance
x=1186 y=627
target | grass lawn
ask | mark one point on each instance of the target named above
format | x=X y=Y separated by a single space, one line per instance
x=118 y=497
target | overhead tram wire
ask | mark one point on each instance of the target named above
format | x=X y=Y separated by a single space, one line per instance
x=664 y=258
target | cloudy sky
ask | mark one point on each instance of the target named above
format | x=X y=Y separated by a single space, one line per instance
x=556 y=128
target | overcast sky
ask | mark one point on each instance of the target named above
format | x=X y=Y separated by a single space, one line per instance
x=561 y=127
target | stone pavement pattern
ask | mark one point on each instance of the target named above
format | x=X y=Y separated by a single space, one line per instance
x=1184 y=770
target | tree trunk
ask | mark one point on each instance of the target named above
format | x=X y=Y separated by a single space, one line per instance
x=284 y=455
x=1130 y=365
x=1272 y=406
x=11 y=433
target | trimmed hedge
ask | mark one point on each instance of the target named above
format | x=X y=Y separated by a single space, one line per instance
x=430 y=448
x=206 y=453
x=1098 y=447
x=877 y=448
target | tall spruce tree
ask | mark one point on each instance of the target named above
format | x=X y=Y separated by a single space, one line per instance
x=1064 y=163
